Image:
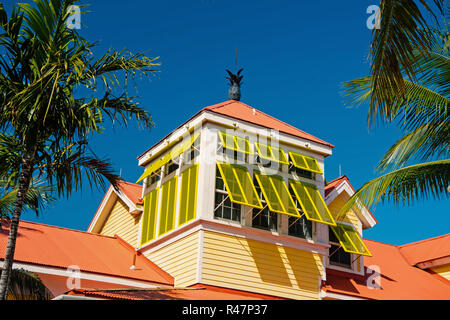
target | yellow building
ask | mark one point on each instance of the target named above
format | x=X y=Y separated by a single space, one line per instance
x=234 y=198
x=231 y=205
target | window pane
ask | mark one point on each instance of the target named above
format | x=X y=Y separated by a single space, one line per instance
x=339 y=257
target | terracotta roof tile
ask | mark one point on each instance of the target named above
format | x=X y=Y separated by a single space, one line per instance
x=426 y=250
x=241 y=111
x=399 y=280
x=132 y=190
x=59 y=247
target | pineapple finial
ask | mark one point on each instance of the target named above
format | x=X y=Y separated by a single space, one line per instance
x=234 y=93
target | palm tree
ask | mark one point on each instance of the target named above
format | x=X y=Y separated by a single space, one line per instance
x=422 y=113
x=54 y=94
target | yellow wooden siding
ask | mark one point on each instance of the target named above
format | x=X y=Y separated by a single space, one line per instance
x=349 y=217
x=255 y=266
x=443 y=271
x=122 y=223
x=179 y=259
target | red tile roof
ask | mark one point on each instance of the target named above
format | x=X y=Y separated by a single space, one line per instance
x=334 y=183
x=199 y=292
x=46 y=245
x=132 y=190
x=241 y=111
x=426 y=250
x=399 y=280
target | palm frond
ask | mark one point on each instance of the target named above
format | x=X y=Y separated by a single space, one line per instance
x=403 y=29
x=428 y=141
x=418 y=104
x=406 y=185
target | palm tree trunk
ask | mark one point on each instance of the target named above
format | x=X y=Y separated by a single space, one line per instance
x=24 y=183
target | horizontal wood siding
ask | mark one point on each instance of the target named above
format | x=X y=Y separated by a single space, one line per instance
x=122 y=223
x=443 y=271
x=256 y=266
x=179 y=259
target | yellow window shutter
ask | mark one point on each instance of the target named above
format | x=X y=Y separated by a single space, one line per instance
x=304 y=162
x=168 y=206
x=350 y=240
x=312 y=202
x=239 y=185
x=148 y=226
x=277 y=194
x=188 y=194
x=271 y=153
x=170 y=155
x=236 y=143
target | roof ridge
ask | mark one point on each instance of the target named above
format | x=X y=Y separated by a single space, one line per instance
x=424 y=240
x=338 y=178
x=68 y=229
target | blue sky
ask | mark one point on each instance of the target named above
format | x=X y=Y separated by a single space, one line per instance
x=295 y=55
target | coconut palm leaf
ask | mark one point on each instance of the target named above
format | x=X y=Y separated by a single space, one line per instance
x=38 y=198
x=426 y=142
x=406 y=185
x=403 y=29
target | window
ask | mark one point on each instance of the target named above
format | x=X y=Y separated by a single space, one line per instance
x=302 y=173
x=338 y=256
x=299 y=227
x=171 y=167
x=264 y=219
x=224 y=208
x=153 y=179
x=239 y=185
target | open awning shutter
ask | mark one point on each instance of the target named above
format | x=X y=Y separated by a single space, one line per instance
x=239 y=185
x=271 y=153
x=277 y=194
x=350 y=240
x=172 y=154
x=235 y=143
x=304 y=162
x=312 y=202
